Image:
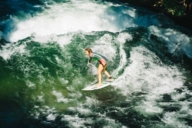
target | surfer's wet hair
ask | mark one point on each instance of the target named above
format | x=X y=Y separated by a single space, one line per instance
x=88 y=50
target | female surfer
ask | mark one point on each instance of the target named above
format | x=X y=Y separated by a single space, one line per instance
x=102 y=64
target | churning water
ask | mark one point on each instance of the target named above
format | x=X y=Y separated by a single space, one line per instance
x=43 y=68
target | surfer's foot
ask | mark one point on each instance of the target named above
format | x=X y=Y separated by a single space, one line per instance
x=97 y=85
x=110 y=79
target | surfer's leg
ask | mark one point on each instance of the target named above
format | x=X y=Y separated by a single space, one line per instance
x=107 y=73
x=100 y=69
x=109 y=76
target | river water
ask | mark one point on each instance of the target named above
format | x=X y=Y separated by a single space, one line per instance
x=43 y=66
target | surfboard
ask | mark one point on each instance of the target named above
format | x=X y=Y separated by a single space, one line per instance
x=93 y=87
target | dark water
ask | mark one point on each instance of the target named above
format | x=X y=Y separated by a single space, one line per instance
x=43 y=66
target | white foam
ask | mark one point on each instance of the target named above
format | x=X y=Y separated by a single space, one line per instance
x=51 y=117
x=177 y=96
x=40 y=98
x=91 y=101
x=170 y=118
x=104 y=46
x=72 y=17
x=76 y=94
x=75 y=121
x=36 y=106
x=131 y=12
x=147 y=74
x=84 y=111
x=59 y=96
x=176 y=42
x=64 y=81
x=10 y=49
x=148 y=108
x=35 y=114
x=121 y=39
x=62 y=40
x=30 y=84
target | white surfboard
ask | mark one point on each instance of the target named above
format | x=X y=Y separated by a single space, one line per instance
x=93 y=87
